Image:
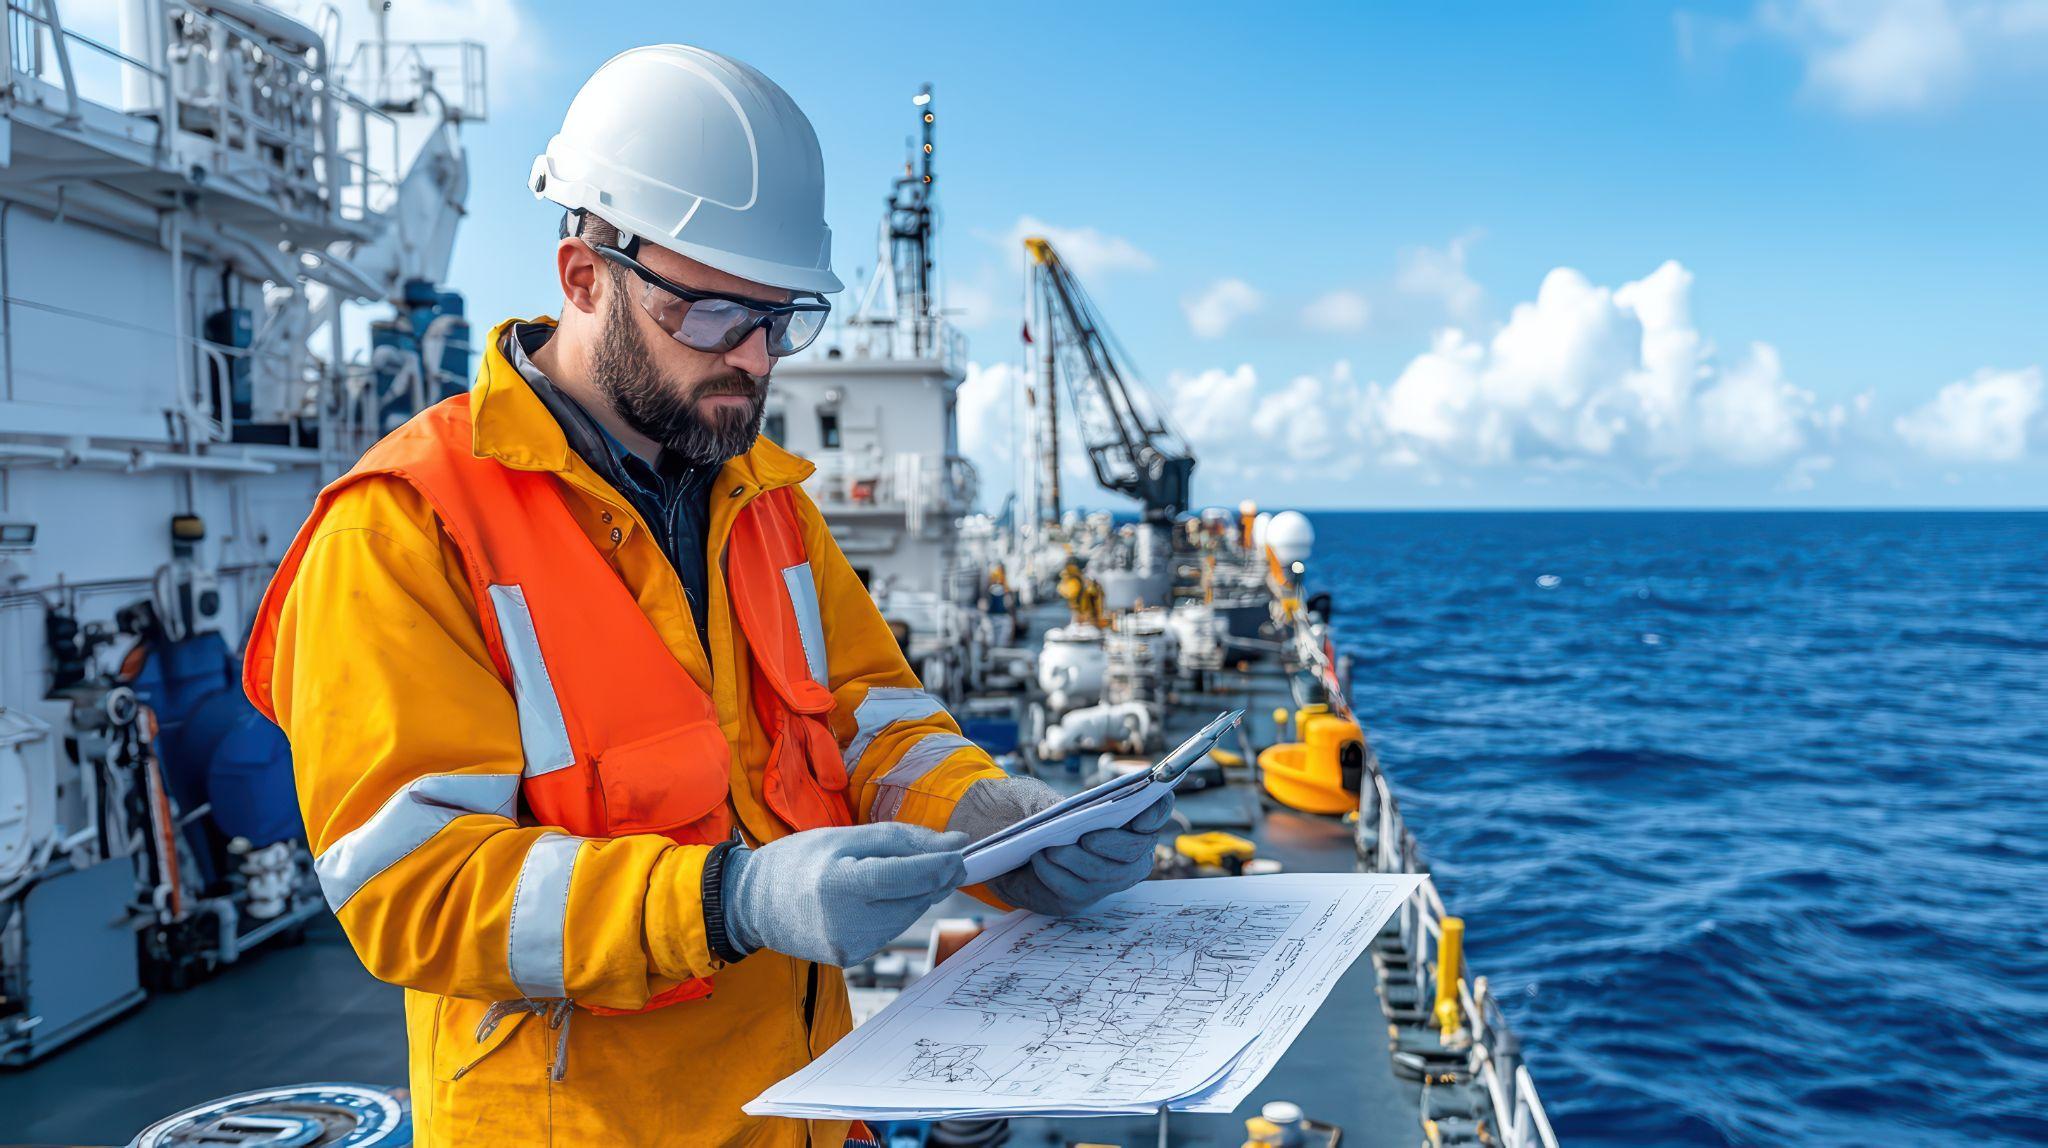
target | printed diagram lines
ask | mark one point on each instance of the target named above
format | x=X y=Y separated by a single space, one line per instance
x=932 y=1062
x=1117 y=1000
x=1178 y=994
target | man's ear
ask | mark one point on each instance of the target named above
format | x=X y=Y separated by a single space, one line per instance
x=579 y=268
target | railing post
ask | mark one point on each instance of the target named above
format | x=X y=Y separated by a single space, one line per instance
x=330 y=138
x=1506 y=1050
x=6 y=68
x=55 y=24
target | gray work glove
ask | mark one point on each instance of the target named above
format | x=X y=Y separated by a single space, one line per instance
x=1063 y=879
x=837 y=895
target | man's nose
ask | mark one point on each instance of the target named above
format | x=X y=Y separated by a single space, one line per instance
x=751 y=355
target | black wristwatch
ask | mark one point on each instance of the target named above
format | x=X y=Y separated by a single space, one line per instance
x=716 y=935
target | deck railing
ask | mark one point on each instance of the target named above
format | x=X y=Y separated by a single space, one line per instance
x=1494 y=1059
x=911 y=484
x=930 y=338
x=213 y=98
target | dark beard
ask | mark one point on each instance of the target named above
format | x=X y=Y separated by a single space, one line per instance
x=651 y=404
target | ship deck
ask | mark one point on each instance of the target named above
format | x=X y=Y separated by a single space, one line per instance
x=310 y=1012
x=1339 y=1070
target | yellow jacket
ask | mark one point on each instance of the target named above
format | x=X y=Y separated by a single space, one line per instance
x=382 y=678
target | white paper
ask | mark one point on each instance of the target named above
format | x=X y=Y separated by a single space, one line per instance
x=1172 y=993
x=1106 y=806
x=1005 y=850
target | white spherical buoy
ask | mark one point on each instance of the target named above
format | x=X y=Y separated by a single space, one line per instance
x=1290 y=536
x=1282 y=1112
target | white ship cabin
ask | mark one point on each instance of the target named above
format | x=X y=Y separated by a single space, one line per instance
x=875 y=410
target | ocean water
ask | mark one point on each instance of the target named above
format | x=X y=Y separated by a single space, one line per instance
x=1746 y=813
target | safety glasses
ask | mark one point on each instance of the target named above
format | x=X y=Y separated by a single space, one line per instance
x=713 y=323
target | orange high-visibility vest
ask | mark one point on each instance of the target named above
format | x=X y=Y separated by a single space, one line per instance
x=618 y=738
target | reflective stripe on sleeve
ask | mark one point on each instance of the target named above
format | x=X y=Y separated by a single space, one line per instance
x=543 y=735
x=810 y=623
x=406 y=821
x=881 y=708
x=540 y=910
x=921 y=758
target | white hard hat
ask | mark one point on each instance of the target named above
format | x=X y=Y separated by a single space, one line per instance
x=701 y=154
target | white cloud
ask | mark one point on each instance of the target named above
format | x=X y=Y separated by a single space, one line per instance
x=970 y=303
x=1211 y=406
x=1339 y=312
x=1581 y=378
x=995 y=430
x=1300 y=431
x=1804 y=473
x=1584 y=372
x=1984 y=418
x=1309 y=420
x=1440 y=275
x=1088 y=251
x=1876 y=56
x=987 y=401
x=1212 y=312
x=1751 y=415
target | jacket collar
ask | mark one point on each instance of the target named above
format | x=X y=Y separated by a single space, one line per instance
x=509 y=423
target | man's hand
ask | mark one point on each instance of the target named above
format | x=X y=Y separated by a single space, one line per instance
x=836 y=896
x=1063 y=879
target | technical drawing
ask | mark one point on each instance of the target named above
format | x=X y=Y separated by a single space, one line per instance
x=1117 y=999
x=1173 y=993
x=932 y=1062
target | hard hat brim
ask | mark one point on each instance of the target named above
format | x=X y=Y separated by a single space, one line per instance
x=817 y=280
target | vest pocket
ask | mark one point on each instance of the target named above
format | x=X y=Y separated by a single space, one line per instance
x=666 y=782
x=805 y=781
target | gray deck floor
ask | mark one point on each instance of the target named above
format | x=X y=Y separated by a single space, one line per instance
x=281 y=1016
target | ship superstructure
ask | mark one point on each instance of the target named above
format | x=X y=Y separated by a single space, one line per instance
x=196 y=199
x=875 y=407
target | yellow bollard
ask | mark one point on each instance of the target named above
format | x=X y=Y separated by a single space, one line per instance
x=1450 y=962
x=1302 y=716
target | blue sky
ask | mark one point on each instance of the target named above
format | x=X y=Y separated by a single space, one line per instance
x=1378 y=255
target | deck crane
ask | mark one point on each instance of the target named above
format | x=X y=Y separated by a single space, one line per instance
x=1132 y=448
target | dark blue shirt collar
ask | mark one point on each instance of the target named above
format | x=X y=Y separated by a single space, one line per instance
x=673 y=496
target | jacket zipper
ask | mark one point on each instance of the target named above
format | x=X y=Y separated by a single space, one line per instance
x=810 y=1001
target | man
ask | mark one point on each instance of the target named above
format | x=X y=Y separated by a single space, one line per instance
x=604 y=752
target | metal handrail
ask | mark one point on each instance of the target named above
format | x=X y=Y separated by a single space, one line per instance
x=55 y=23
x=470 y=103
x=922 y=339
x=914 y=483
x=346 y=180
x=1524 y=1124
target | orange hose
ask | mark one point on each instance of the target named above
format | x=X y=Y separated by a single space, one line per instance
x=166 y=833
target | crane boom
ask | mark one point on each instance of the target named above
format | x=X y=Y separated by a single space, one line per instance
x=1131 y=447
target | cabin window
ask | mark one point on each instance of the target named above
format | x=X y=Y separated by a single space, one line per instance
x=828 y=429
x=775 y=426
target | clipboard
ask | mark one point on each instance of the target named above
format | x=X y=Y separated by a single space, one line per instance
x=1113 y=803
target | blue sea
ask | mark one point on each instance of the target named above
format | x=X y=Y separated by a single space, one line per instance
x=1746 y=813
